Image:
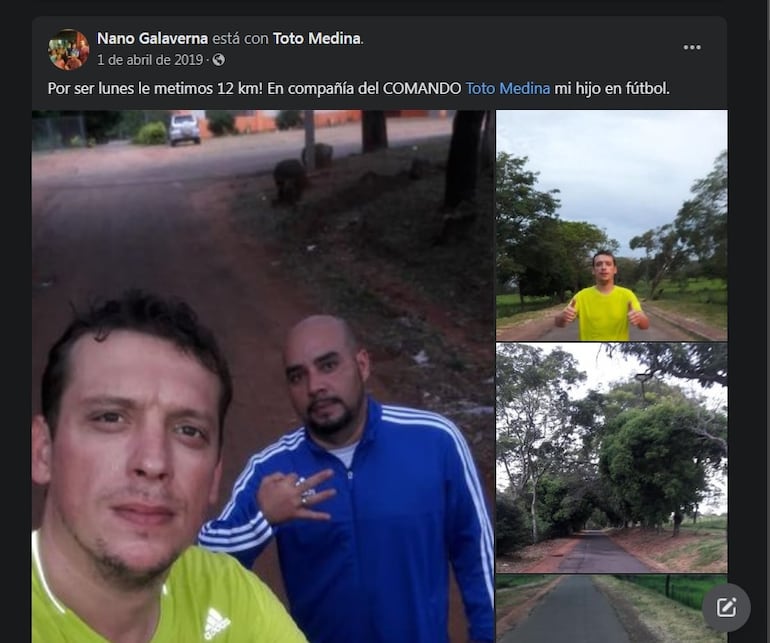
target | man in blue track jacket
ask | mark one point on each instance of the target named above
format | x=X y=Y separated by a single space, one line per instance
x=398 y=497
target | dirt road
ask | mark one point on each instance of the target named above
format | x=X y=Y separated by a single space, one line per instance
x=107 y=219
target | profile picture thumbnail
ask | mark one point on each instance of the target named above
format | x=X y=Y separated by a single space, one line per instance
x=68 y=49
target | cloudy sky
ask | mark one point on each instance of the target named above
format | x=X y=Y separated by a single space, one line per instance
x=624 y=171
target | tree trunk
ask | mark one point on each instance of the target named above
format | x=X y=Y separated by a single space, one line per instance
x=374 y=131
x=488 y=143
x=463 y=164
x=534 y=514
x=310 y=140
x=677 y=522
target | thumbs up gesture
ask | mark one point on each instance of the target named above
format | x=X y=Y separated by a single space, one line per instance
x=635 y=317
x=570 y=312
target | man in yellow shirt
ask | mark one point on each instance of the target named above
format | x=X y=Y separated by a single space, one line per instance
x=128 y=443
x=604 y=311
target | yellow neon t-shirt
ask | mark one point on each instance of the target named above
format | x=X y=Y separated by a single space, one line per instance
x=604 y=317
x=207 y=597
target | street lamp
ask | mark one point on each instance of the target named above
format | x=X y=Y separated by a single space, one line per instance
x=642 y=378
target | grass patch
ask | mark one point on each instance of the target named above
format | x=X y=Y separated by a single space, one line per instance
x=523 y=317
x=687 y=589
x=710 y=552
x=503 y=581
x=711 y=314
x=667 y=619
x=524 y=588
x=510 y=305
x=705 y=524
x=703 y=550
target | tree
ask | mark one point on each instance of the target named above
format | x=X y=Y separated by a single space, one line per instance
x=704 y=362
x=557 y=256
x=664 y=254
x=518 y=205
x=464 y=159
x=701 y=223
x=309 y=158
x=532 y=416
x=511 y=526
x=655 y=461
x=566 y=502
x=289 y=119
x=374 y=131
x=630 y=270
x=221 y=122
x=488 y=142
x=698 y=232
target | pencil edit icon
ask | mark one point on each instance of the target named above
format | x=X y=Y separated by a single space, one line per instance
x=727 y=607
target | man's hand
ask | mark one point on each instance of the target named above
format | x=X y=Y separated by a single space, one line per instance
x=637 y=318
x=569 y=313
x=282 y=497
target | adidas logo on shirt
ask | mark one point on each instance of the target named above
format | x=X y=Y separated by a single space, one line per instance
x=215 y=623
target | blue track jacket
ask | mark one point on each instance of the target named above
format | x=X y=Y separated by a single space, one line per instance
x=378 y=571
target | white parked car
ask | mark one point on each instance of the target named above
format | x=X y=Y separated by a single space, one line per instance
x=183 y=127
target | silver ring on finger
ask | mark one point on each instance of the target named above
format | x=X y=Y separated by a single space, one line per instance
x=303 y=500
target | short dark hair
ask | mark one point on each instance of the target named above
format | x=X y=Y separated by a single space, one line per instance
x=170 y=319
x=603 y=252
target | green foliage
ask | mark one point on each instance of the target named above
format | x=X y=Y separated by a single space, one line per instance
x=220 y=122
x=151 y=134
x=506 y=581
x=563 y=505
x=132 y=120
x=656 y=459
x=702 y=221
x=706 y=523
x=512 y=528
x=692 y=289
x=532 y=417
x=537 y=251
x=99 y=123
x=635 y=453
x=517 y=205
x=697 y=234
x=704 y=362
x=289 y=119
x=598 y=520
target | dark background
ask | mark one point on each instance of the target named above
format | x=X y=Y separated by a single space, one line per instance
x=747 y=24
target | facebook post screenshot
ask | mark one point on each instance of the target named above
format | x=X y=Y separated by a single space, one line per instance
x=428 y=322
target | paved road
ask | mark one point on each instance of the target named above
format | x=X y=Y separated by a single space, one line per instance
x=659 y=330
x=575 y=611
x=543 y=329
x=596 y=553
